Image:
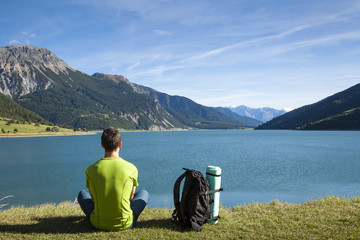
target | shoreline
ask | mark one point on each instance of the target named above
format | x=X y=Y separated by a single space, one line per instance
x=44 y=134
x=54 y=134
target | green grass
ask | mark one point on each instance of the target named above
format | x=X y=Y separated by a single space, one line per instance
x=27 y=128
x=329 y=218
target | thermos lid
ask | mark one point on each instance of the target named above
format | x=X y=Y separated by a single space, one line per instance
x=213 y=170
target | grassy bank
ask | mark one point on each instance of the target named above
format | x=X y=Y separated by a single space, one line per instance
x=329 y=218
x=32 y=129
x=27 y=127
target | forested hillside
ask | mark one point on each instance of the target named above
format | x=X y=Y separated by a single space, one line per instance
x=11 y=110
x=348 y=120
x=337 y=112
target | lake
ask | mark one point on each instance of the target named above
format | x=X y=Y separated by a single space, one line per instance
x=257 y=166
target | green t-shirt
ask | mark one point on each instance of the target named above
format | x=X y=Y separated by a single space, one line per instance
x=111 y=181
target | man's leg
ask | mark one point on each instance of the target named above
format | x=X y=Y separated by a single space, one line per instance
x=86 y=202
x=139 y=202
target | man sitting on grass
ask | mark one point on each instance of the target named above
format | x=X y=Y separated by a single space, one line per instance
x=111 y=202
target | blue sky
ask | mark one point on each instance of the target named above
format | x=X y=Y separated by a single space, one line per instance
x=281 y=54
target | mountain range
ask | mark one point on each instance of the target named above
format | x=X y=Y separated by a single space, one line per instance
x=340 y=111
x=37 y=86
x=264 y=114
x=41 y=82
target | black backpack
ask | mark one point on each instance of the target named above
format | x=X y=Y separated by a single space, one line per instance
x=194 y=210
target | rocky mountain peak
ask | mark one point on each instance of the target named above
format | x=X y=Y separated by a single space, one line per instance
x=13 y=57
x=111 y=77
x=119 y=78
x=21 y=67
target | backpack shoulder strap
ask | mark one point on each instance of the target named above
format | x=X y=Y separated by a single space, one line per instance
x=177 y=190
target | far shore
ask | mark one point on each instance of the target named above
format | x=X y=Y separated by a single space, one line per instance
x=47 y=134
x=44 y=134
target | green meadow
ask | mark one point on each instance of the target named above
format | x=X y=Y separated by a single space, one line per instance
x=328 y=218
x=6 y=128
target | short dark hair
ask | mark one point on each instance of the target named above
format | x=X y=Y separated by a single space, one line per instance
x=110 y=139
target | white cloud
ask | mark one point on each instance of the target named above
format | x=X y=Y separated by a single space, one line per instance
x=14 y=42
x=25 y=37
x=133 y=66
x=28 y=34
x=162 y=32
x=299 y=27
x=277 y=49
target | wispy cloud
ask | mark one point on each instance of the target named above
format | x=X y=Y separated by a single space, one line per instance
x=246 y=43
x=28 y=34
x=309 y=25
x=162 y=32
x=14 y=42
x=133 y=66
x=25 y=38
x=278 y=49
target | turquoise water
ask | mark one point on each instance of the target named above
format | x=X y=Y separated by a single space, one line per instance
x=257 y=166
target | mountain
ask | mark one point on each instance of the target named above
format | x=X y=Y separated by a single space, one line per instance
x=248 y=121
x=262 y=114
x=186 y=111
x=22 y=70
x=41 y=82
x=337 y=112
x=347 y=120
x=11 y=110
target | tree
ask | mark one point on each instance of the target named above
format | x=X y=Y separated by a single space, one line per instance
x=56 y=128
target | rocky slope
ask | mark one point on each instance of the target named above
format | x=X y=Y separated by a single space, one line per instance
x=21 y=67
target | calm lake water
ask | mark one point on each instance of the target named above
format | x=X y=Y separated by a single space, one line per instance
x=258 y=166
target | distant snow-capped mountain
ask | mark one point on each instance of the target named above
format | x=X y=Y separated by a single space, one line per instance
x=262 y=114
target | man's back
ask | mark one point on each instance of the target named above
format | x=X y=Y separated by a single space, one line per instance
x=111 y=181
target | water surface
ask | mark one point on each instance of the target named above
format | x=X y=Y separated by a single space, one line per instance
x=258 y=166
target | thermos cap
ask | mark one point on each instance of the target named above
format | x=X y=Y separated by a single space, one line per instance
x=213 y=170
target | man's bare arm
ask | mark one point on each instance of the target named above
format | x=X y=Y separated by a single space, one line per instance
x=132 y=193
x=91 y=196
